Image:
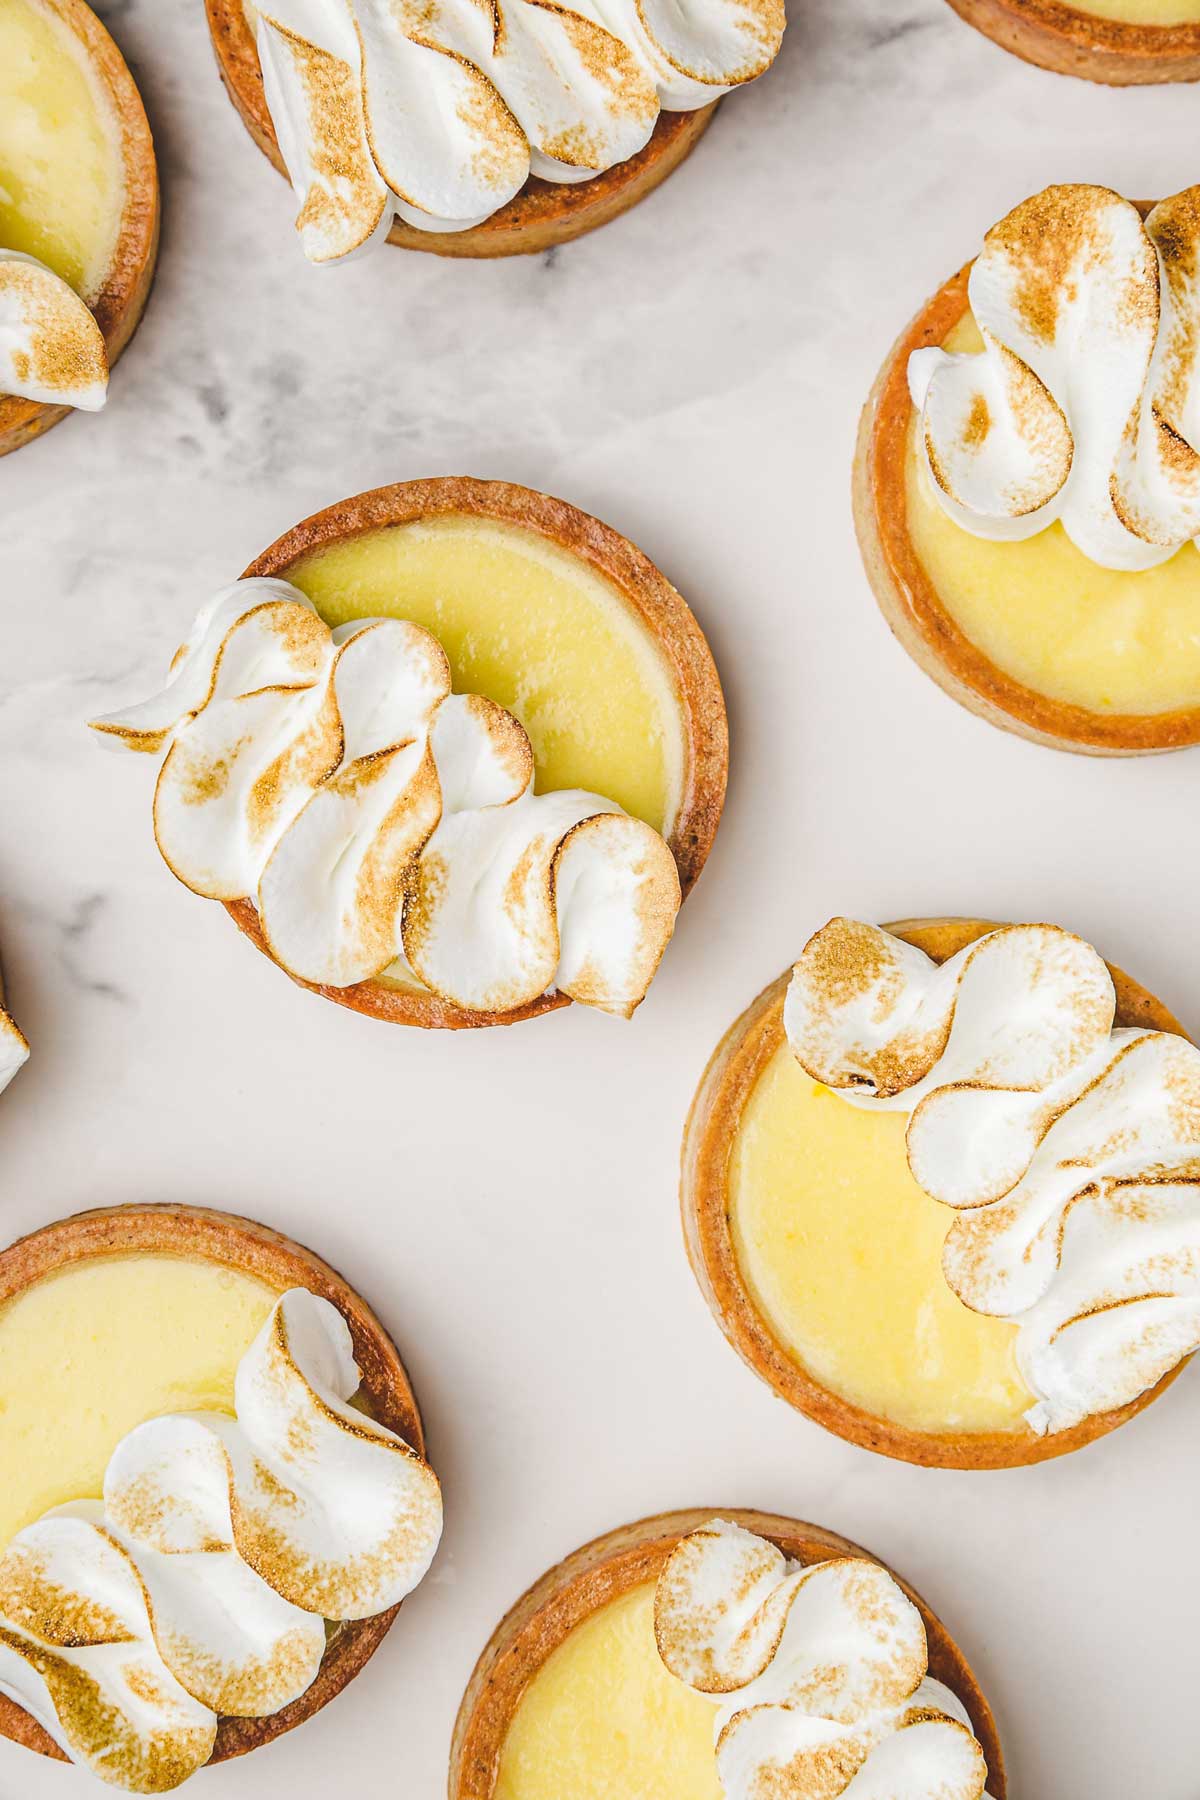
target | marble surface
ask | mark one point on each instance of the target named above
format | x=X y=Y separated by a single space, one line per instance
x=693 y=374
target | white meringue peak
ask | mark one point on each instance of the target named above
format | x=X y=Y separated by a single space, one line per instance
x=377 y=819
x=14 y=1050
x=1069 y=1151
x=51 y=348
x=201 y=1584
x=819 y=1675
x=1083 y=405
x=439 y=112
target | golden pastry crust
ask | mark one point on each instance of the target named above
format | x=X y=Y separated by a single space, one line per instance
x=543 y=214
x=118 y=307
x=1071 y=42
x=712 y=1125
x=659 y=609
x=604 y=1570
x=255 y=1250
x=911 y=604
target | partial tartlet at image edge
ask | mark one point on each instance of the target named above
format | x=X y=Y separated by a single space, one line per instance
x=759 y=1117
x=199 y=1285
x=1120 y=51
x=589 y=916
x=1046 y=582
x=56 y=348
x=627 y=1601
x=494 y=157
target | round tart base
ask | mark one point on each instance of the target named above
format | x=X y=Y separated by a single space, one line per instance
x=1069 y=42
x=543 y=214
x=275 y=1260
x=119 y=305
x=911 y=604
x=657 y=606
x=711 y=1130
x=624 y=1559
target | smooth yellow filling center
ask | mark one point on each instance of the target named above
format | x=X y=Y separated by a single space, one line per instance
x=604 y=1720
x=1142 y=12
x=841 y=1252
x=1108 y=640
x=62 y=183
x=101 y=1346
x=535 y=629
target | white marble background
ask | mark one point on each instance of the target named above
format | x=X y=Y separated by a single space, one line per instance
x=693 y=374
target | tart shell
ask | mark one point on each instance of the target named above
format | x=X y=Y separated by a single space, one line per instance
x=276 y=1260
x=658 y=608
x=711 y=1129
x=611 y=1566
x=911 y=604
x=543 y=214
x=119 y=305
x=1069 y=42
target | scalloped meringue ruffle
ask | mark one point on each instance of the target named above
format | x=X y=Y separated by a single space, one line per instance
x=51 y=348
x=1069 y=1151
x=200 y=1586
x=440 y=112
x=374 y=817
x=1083 y=405
x=820 y=1674
x=14 y=1050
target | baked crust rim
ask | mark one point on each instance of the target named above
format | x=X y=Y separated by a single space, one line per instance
x=705 y=1205
x=254 y=1249
x=1061 y=38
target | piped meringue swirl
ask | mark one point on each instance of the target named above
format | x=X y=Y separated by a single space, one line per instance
x=380 y=822
x=51 y=348
x=200 y=1585
x=1069 y=1151
x=440 y=112
x=819 y=1675
x=1084 y=405
x=14 y=1050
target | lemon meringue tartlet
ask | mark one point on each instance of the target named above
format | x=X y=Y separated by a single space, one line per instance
x=939 y=1191
x=1125 y=43
x=478 y=132
x=619 y=1673
x=215 y=1491
x=1027 y=487
x=78 y=213
x=428 y=856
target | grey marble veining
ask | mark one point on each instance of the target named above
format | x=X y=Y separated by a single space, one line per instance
x=693 y=374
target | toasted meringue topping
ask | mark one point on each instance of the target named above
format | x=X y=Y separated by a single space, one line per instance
x=439 y=112
x=200 y=1586
x=1084 y=404
x=821 y=1673
x=13 y=1049
x=1070 y=1151
x=375 y=818
x=51 y=348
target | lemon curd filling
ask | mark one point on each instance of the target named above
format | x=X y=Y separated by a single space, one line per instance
x=535 y=629
x=101 y=1346
x=604 y=1720
x=841 y=1252
x=1109 y=640
x=1142 y=12
x=61 y=173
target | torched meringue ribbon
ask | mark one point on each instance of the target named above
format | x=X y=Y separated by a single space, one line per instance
x=439 y=112
x=820 y=1674
x=201 y=1584
x=14 y=1050
x=51 y=348
x=1083 y=405
x=1070 y=1151
x=374 y=817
